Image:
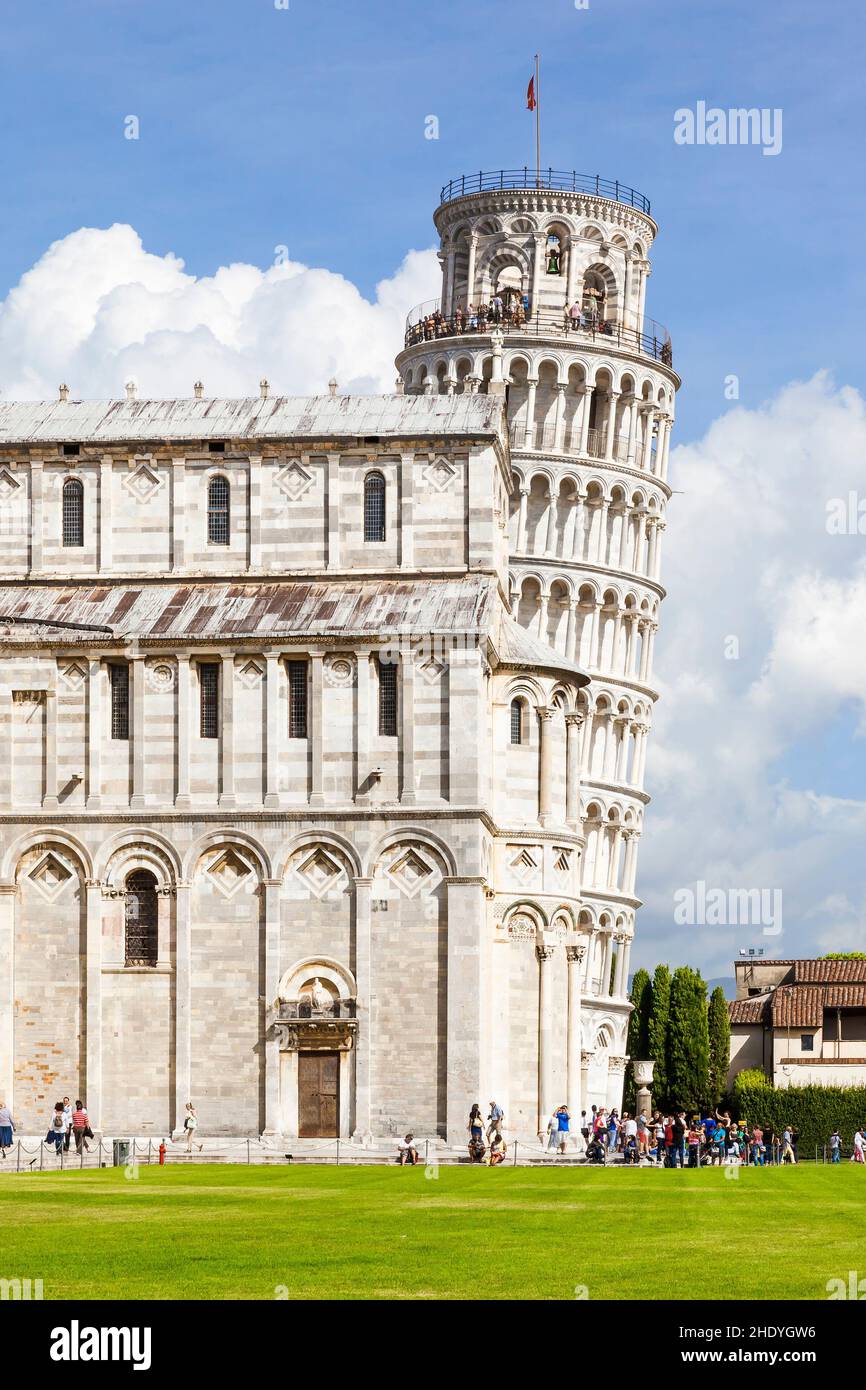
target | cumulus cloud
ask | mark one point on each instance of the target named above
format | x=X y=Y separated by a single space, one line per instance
x=98 y=310
x=759 y=655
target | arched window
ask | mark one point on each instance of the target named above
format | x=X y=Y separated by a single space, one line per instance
x=218 y=511
x=142 y=938
x=73 y=512
x=374 y=507
x=516 y=721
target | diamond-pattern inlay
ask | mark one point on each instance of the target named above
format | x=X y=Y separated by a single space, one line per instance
x=229 y=872
x=319 y=871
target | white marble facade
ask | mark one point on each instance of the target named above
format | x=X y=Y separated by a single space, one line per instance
x=309 y=810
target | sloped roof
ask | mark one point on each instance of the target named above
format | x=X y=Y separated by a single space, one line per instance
x=798 y=1005
x=518 y=648
x=250 y=417
x=745 y=1011
x=829 y=971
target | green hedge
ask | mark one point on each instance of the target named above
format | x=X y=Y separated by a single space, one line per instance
x=815 y=1110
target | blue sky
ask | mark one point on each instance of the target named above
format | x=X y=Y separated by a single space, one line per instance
x=304 y=127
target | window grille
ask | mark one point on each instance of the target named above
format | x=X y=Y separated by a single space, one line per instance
x=297 y=699
x=73 y=512
x=120 y=702
x=142 y=933
x=388 y=698
x=374 y=507
x=516 y=722
x=218 y=511
x=209 y=685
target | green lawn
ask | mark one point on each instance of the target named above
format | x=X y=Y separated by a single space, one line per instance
x=244 y=1232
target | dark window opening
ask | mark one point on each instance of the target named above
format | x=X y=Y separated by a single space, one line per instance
x=374 y=507
x=807 y=1042
x=73 y=512
x=516 y=722
x=209 y=686
x=71 y=450
x=388 y=698
x=297 y=699
x=119 y=702
x=142 y=932
x=217 y=446
x=218 y=511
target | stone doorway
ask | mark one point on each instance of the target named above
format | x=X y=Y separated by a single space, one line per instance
x=318 y=1095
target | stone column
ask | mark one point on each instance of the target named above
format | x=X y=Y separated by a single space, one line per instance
x=632 y=424
x=362 y=729
x=545 y=954
x=586 y=750
x=407 y=505
x=573 y=726
x=407 y=729
x=227 y=732
x=592 y=660
x=529 y=428
x=543 y=602
x=178 y=516
x=470 y=270
x=657 y=556
x=254 y=511
x=577 y=539
x=615 y=643
x=94 y=733
x=182 y=1001
x=315 y=716
x=364 y=1006
x=651 y=637
x=545 y=777
x=660 y=443
x=271 y=890
x=664 y=466
x=571 y=282
x=612 y=398
x=585 y=418
x=36 y=523
x=618 y=968
x=184 y=731
x=448 y=298
x=604 y=989
x=521 y=520
x=625 y=538
x=93 y=1004
x=49 y=800
x=571 y=631
x=626 y=294
x=105 y=475
x=622 y=749
x=613 y=875
x=272 y=730
x=136 y=679
x=640 y=550
x=601 y=545
x=559 y=417
x=465 y=994
x=332 y=539
x=540 y=239
x=648 y=416
x=574 y=955
x=8 y=894
x=550 y=538
x=630 y=643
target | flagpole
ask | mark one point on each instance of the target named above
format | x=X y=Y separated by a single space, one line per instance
x=537 y=126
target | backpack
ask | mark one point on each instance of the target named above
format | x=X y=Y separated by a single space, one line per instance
x=57 y=1122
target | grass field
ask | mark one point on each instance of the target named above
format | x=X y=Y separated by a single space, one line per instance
x=221 y=1232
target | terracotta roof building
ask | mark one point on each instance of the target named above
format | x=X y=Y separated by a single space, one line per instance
x=801 y=1021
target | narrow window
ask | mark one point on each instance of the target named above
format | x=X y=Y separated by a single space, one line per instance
x=297 y=699
x=218 y=511
x=388 y=698
x=119 y=701
x=516 y=722
x=374 y=507
x=142 y=935
x=73 y=512
x=807 y=1042
x=209 y=687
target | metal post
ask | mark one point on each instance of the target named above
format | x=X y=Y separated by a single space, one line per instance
x=41 y=1154
x=248 y=1151
x=514 y=1163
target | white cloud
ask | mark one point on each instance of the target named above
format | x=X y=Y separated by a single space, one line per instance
x=98 y=310
x=748 y=554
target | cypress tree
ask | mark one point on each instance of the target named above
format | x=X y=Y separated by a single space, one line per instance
x=657 y=1032
x=719 y=1024
x=688 y=1045
x=638 y=1028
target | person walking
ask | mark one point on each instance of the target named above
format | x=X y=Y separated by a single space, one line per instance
x=857 y=1155
x=7 y=1124
x=788 y=1155
x=81 y=1128
x=585 y=1129
x=190 y=1125
x=836 y=1146
x=67 y=1120
x=56 y=1128
x=758 y=1147
x=494 y=1119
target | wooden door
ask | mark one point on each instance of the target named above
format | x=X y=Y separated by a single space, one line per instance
x=318 y=1095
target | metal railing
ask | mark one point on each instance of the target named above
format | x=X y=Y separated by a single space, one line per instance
x=426 y=323
x=499 y=180
x=542 y=439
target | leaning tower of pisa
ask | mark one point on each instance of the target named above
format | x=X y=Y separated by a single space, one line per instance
x=543 y=302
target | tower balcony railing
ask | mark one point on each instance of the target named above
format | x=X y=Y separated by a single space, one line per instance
x=543 y=439
x=426 y=324
x=500 y=180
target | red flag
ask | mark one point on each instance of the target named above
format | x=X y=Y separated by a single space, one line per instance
x=530 y=95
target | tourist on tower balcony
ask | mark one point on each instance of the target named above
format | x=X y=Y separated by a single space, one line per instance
x=575 y=316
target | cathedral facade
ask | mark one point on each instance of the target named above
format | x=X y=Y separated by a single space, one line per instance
x=324 y=719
